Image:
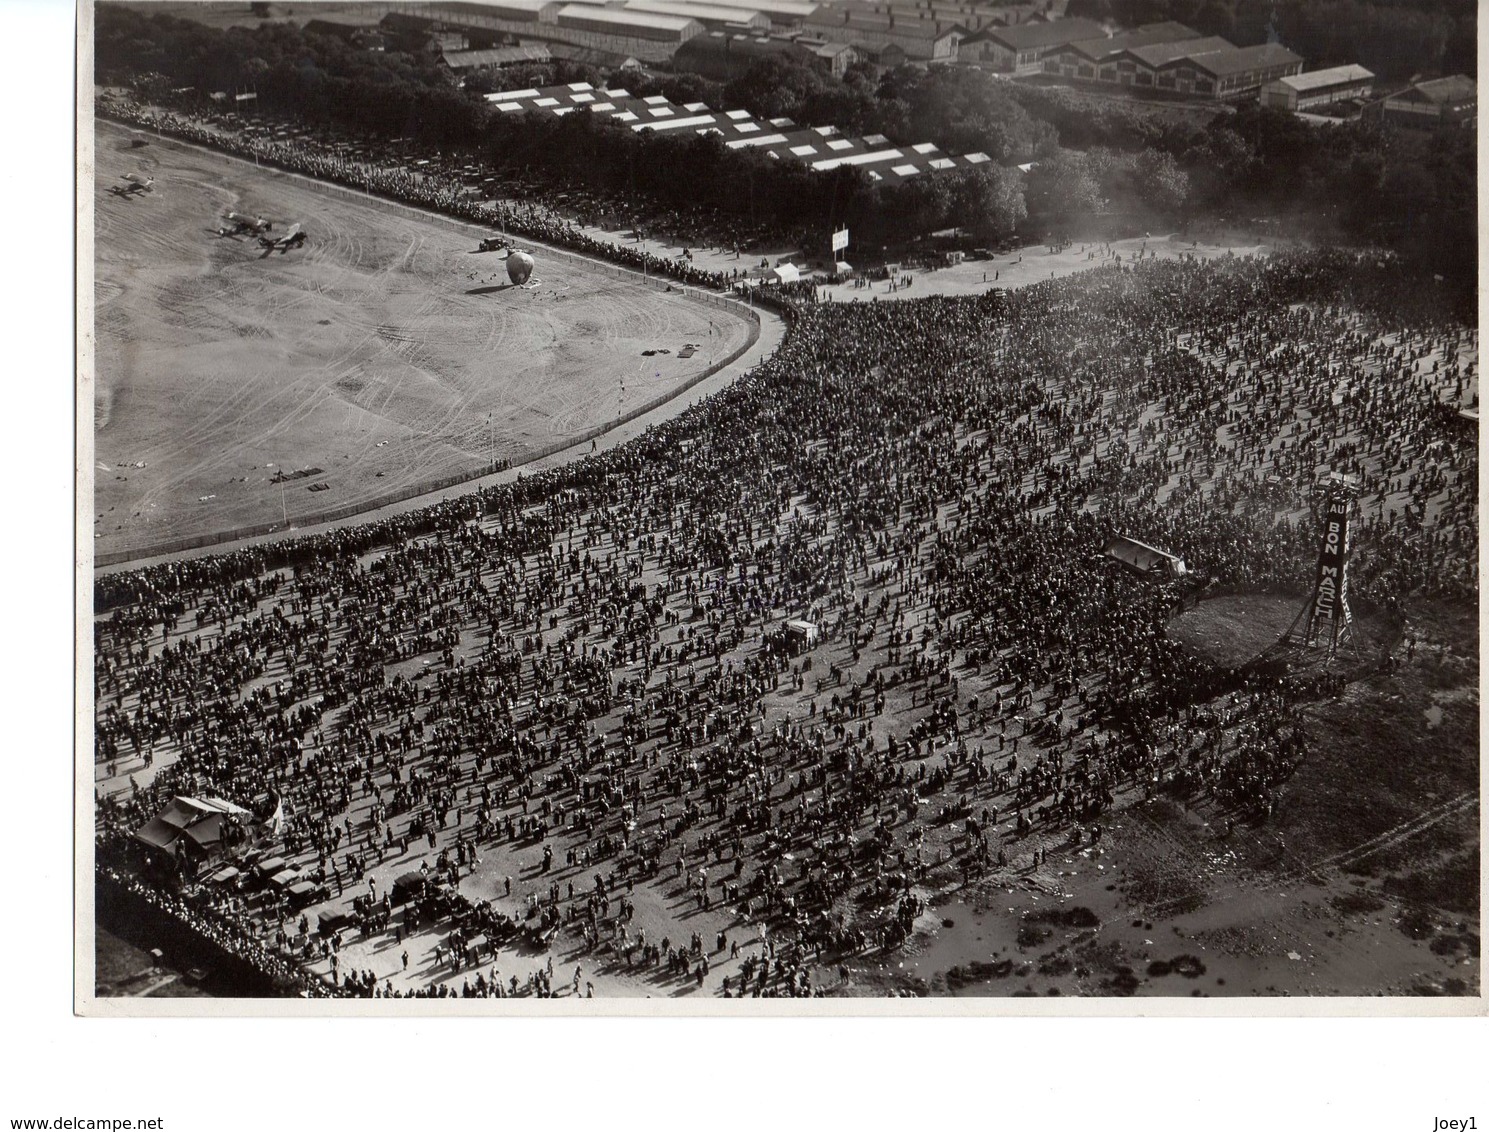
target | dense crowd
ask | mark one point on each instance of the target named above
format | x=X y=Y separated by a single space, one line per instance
x=443 y=182
x=593 y=663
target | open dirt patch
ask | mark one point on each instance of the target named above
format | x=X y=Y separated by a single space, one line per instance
x=361 y=352
x=1232 y=630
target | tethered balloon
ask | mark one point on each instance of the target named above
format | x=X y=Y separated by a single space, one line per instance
x=519 y=267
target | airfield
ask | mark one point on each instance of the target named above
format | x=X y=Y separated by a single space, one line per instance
x=238 y=387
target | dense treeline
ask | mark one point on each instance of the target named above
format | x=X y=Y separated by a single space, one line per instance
x=322 y=81
x=1394 y=38
x=1098 y=168
x=1358 y=182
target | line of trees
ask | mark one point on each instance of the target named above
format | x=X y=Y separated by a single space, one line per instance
x=322 y=81
x=1394 y=38
x=1095 y=163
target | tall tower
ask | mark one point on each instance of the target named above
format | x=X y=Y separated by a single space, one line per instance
x=1327 y=613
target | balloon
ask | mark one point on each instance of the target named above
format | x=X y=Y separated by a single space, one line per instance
x=519 y=267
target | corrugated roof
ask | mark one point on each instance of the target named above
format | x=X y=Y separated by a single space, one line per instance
x=1025 y=36
x=494 y=7
x=1145 y=36
x=874 y=22
x=719 y=13
x=820 y=146
x=1235 y=60
x=623 y=19
x=792 y=9
x=496 y=56
x=1162 y=54
x=1453 y=88
x=1329 y=76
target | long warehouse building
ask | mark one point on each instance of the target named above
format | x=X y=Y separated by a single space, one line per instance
x=821 y=148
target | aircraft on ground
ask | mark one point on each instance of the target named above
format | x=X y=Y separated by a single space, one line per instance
x=293 y=238
x=133 y=184
x=239 y=224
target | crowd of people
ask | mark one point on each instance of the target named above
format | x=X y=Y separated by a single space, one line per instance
x=446 y=183
x=594 y=664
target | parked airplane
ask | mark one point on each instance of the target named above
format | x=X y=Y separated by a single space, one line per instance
x=240 y=225
x=291 y=239
x=133 y=184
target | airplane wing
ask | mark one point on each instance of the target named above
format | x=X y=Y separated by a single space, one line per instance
x=291 y=233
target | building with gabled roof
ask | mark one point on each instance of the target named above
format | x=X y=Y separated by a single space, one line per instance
x=459 y=61
x=1312 y=89
x=1144 y=59
x=874 y=32
x=820 y=148
x=1021 y=49
x=714 y=17
x=1450 y=101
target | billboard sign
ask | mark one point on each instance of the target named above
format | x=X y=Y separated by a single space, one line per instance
x=839 y=240
x=1329 y=613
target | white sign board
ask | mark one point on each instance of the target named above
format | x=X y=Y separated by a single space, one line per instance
x=839 y=240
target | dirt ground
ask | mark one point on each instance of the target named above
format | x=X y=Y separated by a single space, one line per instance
x=1364 y=882
x=385 y=352
x=1028 y=265
x=123 y=969
x=1234 y=629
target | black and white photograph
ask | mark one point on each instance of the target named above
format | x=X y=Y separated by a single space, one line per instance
x=721 y=507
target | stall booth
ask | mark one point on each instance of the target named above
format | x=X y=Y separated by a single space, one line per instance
x=1145 y=559
x=801 y=636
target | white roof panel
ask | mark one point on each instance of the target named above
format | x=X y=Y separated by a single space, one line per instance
x=858 y=159
x=677 y=123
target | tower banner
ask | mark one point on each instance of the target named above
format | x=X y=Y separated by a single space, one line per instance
x=1329 y=612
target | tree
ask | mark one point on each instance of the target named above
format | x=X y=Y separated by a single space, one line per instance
x=988 y=200
x=1063 y=188
x=1161 y=184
